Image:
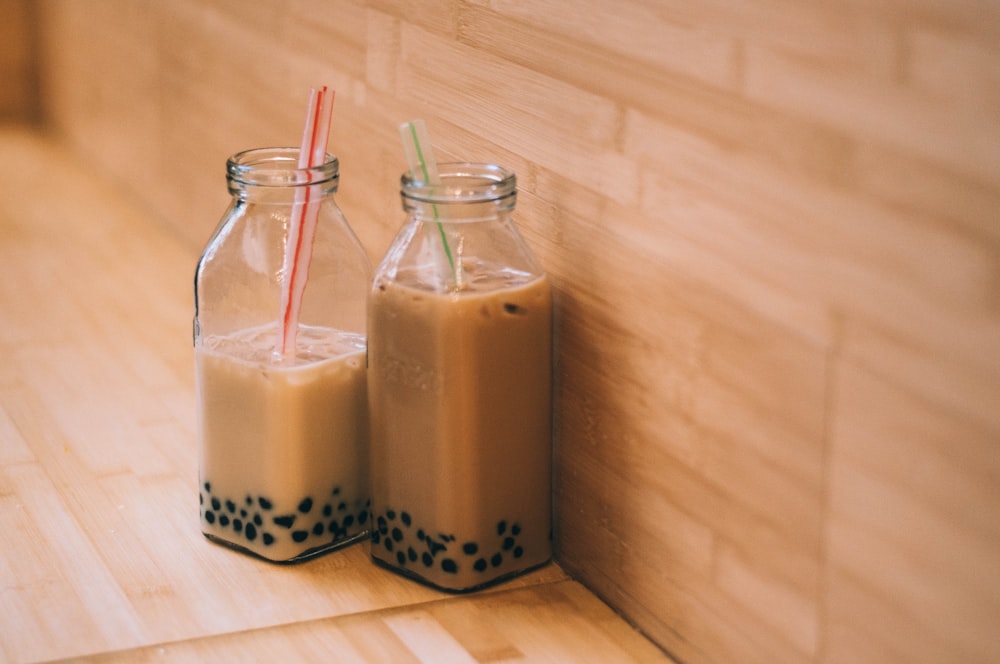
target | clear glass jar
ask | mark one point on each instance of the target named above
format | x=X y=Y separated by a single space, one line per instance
x=283 y=437
x=460 y=365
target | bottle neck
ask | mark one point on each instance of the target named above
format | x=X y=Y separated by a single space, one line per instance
x=273 y=174
x=466 y=193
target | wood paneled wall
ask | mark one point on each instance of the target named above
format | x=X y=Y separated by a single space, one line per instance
x=774 y=229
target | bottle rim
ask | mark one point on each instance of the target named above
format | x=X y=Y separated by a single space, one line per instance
x=462 y=182
x=278 y=167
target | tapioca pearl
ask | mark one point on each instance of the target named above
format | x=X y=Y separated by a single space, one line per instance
x=501 y=527
x=336 y=491
x=210 y=516
x=201 y=498
x=412 y=554
x=285 y=521
x=231 y=506
x=238 y=525
x=348 y=521
x=518 y=551
x=420 y=534
x=243 y=514
x=264 y=503
x=383 y=526
x=397 y=534
x=449 y=565
x=376 y=537
x=427 y=559
x=223 y=520
x=496 y=560
x=306 y=505
x=333 y=526
x=208 y=487
x=387 y=544
x=268 y=539
x=390 y=514
x=318 y=529
x=479 y=565
x=508 y=543
x=300 y=535
x=249 y=501
x=258 y=520
x=363 y=517
x=515 y=530
x=470 y=548
x=327 y=509
x=405 y=518
x=216 y=504
x=250 y=532
x=341 y=506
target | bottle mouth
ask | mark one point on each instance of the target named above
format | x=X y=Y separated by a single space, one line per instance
x=278 y=167
x=462 y=182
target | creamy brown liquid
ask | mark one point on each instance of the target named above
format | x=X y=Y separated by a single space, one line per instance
x=283 y=446
x=460 y=396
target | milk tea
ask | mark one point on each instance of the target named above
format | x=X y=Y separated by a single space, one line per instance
x=461 y=458
x=283 y=442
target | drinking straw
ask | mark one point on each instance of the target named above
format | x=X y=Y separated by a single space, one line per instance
x=423 y=167
x=305 y=214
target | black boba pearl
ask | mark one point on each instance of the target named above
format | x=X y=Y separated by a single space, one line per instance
x=341 y=506
x=243 y=514
x=210 y=516
x=449 y=565
x=208 y=487
x=251 y=532
x=397 y=534
x=363 y=517
x=348 y=521
x=300 y=535
x=479 y=565
x=518 y=551
x=216 y=504
x=223 y=520
x=412 y=554
x=405 y=517
x=336 y=490
x=382 y=525
x=238 y=525
x=318 y=529
x=249 y=500
x=268 y=539
x=515 y=529
x=285 y=521
x=231 y=506
x=333 y=527
x=400 y=557
x=470 y=548
x=264 y=503
x=496 y=560
x=427 y=559
x=257 y=520
x=327 y=509
x=501 y=527
x=201 y=498
x=306 y=505
x=508 y=543
x=388 y=544
x=375 y=535
x=390 y=514
x=420 y=534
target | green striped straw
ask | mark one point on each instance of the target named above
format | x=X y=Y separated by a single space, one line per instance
x=423 y=167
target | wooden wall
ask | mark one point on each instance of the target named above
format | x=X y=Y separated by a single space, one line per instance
x=774 y=228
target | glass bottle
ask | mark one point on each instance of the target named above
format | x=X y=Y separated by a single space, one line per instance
x=460 y=364
x=283 y=436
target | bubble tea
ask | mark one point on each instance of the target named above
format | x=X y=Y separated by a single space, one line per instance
x=460 y=363
x=282 y=432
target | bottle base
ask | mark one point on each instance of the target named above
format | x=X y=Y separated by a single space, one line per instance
x=308 y=554
x=462 y=590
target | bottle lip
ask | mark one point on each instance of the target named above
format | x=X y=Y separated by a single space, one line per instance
x=462 y=182
x=278 y=167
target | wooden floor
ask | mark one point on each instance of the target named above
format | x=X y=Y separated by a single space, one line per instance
x=101 y=556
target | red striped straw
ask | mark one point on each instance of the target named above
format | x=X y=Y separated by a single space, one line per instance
x=305 y=213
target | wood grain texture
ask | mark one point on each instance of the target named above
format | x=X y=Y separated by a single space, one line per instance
x=773 y=231
x=101 y=554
